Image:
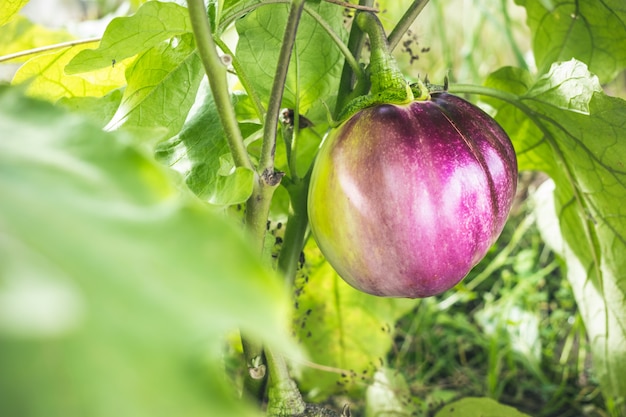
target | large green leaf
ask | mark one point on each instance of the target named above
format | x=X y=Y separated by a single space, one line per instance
x=162 y=86
x=344 y=330
x=115 y=287
x=200 y=151
x=576 y=134
x=125 y=37
x=315 y=65
x=591 y=31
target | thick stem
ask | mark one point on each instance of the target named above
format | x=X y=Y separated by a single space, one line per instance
x=284 y=396
x=258 y=204
x=385 y=75
x=216 y=72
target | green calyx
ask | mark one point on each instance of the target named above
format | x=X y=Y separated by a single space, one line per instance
x=388 y=85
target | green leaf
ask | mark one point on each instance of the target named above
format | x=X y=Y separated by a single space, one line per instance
x=388 y=395
x=9 y=9
x=46 y=79
x=590 y=31
x=574 y=132
x=478 y=407
x=115 y=288
x=125 y=37
x=162 y=86
x=341 y=328
x=315 y=65
x=99 y=109
x=198 y=152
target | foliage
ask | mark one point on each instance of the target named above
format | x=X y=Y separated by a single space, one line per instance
x=124 y=272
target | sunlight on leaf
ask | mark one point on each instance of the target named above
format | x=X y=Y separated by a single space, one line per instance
x=9 y=9
x=115 y=288
x=590 y=31
x=46 y=79
x=581 y=147
x=125 y=37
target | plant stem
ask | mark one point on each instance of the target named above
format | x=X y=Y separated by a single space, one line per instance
x=48 y=48
x=244 y=80
x=266 y=163
x=405 y=22
x=346 y=90
x=383 y=69
x=284 y=397
x=519 y=56
x=293 y=241
x=258 y=203
x=216 y=72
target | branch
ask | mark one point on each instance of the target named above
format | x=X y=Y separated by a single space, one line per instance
x=266 y=163
x=405 y=22
x=216 y=72
x=48 y=48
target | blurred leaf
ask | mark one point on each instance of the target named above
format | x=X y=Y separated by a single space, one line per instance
x=315 y=65
x=342 y=328
x=20 y=34
x=46 y=79
x=478 y=407
x=162 y=86
x=115 y=288
x=590 y=31
x=198 y=152
x=388 y=395
x=99 y=109
x=9 y=9
x=125 y=37
x=577 y=138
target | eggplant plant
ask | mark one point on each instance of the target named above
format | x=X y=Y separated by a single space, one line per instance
x=184 y=196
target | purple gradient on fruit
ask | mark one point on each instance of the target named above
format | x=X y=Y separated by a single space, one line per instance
x=405 y=200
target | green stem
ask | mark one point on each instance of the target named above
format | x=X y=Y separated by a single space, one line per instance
x=385 y=75
x=245 y=81
x=346 y=91
x=266 y=163
x=284 y=397
x=521 y=62
x=293 y=241
x=216 y=72
x=258 y=204
x=405 y=22
x=47 y=48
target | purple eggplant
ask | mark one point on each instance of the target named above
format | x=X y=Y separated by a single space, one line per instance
x=405 y=200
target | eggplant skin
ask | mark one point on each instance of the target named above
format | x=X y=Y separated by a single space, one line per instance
x=405 y=200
